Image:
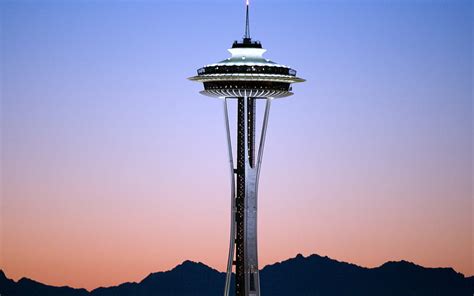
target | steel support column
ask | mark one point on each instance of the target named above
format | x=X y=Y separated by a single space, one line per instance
x=244 y=202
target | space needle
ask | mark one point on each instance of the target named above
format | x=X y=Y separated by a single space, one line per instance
x=244 y=77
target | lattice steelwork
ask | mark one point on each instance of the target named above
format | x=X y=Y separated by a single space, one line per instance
x=245 y=77
x=240 y=199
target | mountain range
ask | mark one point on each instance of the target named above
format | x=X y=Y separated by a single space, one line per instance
x=300 y=276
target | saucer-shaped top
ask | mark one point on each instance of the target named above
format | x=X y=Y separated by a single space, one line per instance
x=247 y=73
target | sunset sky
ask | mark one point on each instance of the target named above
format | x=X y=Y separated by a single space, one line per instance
x=113 y=166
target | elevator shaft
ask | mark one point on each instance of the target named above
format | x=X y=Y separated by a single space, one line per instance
x=246 y=263
x=244 y=198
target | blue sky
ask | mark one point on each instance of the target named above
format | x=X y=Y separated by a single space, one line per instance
x=374 y=150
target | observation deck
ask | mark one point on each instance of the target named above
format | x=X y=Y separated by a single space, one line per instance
x=247 y=74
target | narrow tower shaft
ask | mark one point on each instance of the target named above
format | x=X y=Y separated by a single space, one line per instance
x=240 y=201
x=246 y=259
x=246 y=271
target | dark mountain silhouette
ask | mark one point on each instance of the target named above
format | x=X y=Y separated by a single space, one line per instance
x=299 y=276
x=32 y=288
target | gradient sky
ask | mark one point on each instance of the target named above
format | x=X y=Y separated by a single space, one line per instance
x=113 y=166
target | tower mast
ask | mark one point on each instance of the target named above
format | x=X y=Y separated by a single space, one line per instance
x=247 y=22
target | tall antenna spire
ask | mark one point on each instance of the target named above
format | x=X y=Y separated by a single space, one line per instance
x=247 y=22
x=247 y=41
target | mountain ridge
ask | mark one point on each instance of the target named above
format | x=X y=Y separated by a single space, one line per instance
x=311 y=275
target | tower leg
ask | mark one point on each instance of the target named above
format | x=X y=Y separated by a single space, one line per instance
x=230 y=260
x=244 y=198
